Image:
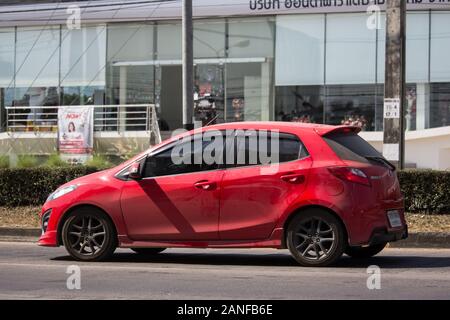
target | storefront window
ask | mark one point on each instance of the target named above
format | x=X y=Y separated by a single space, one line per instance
x=130 y=73
x=78 y=96
x=350 y=49
x=440 y=105
x=83 y=58
x=169 y=41
x=37 y=76
x=300 y=50
x=440 y=70
x=417 y=47
x=7 y=58
x=299 y=104
x=209 y=38
x=351 y=105
x=249 y=83
x=7 y=38
x=440 y=46
x=37 y=64
x=250 y=38
x=130 y=42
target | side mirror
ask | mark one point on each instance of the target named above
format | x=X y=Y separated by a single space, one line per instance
x=135 y=171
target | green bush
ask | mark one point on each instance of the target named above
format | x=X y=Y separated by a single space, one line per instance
x=4 y=162
x=55 y=161
x=100 y=162
x=27 y=161
x=426 y=191
x=31 y=186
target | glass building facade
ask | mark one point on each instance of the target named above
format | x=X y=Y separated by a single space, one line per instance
x=322 y=68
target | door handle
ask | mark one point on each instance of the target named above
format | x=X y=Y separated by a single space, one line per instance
x=205 y=185
x=294 y=178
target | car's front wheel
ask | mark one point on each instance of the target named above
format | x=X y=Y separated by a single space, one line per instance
x=316 y=238
x=89 y=235
x=365 y=252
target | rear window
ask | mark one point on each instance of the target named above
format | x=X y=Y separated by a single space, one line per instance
x=351 y=147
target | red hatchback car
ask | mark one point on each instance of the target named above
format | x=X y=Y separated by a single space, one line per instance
x=327 y=192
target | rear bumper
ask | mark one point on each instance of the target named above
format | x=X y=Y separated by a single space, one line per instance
x=382 y=235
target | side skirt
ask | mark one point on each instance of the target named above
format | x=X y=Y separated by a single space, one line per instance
x=273 y=242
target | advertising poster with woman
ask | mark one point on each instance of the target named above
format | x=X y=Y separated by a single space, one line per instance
x=75 y=133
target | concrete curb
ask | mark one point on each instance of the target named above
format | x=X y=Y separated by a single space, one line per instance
x=20 y=232
x=415 y=240
x=424 y=240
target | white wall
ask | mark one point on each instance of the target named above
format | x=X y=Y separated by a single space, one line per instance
x=427 y=149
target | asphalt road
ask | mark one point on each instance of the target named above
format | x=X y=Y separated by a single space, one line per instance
x=31 y=272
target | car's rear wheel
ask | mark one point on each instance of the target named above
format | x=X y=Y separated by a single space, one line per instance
x=89 y=235
x=364 y=252
x=148 y=251
x=316 y=238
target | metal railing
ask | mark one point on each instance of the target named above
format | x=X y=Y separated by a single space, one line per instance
x=107 y=118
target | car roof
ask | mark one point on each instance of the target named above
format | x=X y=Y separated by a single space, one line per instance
x=321 y=129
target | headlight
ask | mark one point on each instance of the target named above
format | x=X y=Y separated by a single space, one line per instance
x=61 y=192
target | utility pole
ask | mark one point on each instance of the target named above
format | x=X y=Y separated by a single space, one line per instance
x=188 y=66
x=394 y=92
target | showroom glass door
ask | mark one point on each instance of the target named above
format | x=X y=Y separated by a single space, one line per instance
x=249 y=91
x=209 y=93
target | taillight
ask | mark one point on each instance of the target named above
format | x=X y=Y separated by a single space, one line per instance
x=350 y=174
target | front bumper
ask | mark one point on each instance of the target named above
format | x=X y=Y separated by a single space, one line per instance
x=49 y=237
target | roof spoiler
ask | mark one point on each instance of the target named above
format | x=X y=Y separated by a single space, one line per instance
x=338 y=129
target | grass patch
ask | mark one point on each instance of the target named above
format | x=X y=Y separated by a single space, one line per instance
x=428 y=223
x=20 y=217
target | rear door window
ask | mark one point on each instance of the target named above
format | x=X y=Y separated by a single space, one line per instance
x=351 y=147
x=247 y=153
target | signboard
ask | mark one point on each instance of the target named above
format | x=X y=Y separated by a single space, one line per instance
x=75 y=133
x=391 y=114
x=142 y=10
x=392 y=108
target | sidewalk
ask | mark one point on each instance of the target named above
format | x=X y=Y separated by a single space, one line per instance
x=415 y=240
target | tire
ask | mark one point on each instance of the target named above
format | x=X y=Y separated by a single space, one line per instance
x=148 y=251
x=364 y=253
x=89 y=235
x=316 y=238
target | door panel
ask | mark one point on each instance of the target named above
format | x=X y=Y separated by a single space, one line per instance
x=173 y=207
x=256 y=190
x=252 y=201
x=179 y=199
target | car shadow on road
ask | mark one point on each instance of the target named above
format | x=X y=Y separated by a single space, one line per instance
x=275 y=260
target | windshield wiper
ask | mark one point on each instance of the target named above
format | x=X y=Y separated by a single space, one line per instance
x=383 y=161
